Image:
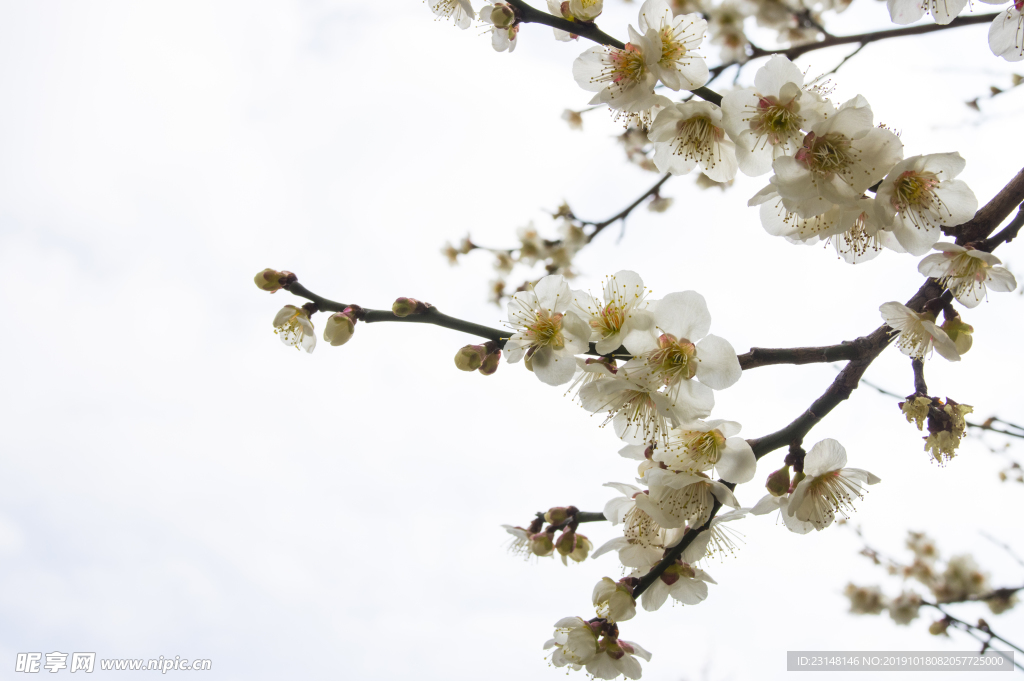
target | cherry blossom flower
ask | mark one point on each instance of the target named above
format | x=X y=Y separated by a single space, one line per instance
x=1006 y=34
x=684 y=583
x=918 y=333
x=968 y=273
x=623 y=79
x=644 y=541
x=686 y=351
x=828 y=487
x=919 y=195
x=548 y=335
x=677 y=498
x=904 y=608
x=614 y=600
x=771 y=503
x=703 y=446
x=865 y=600
x=575 y=643
x=504 y=29
x=621 y=318
x=766 y=120
x=840 y=158
x=638 y=412
x=689 y=134
x=293 y=327
x=678 y=66
x=905 y=12
x=459 y=11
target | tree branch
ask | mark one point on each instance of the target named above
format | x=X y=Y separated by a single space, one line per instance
x=875 y=36
x=920 y=387
x=624 y=213
x=759 y=357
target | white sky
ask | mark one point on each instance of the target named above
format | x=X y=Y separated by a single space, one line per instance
x=176 y=482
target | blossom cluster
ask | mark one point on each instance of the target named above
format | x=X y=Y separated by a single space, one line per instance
x=955 y=580
x=1005 y=34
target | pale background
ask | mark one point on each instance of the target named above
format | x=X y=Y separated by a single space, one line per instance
x=177 y=482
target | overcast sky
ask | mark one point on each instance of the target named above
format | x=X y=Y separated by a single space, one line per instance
x=175 y=481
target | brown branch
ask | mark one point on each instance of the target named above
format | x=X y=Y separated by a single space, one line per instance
x=875 y=36
x=992 y=213
x=759 y=357
x=920 y=387
x=624 y=213
x=1005 y=235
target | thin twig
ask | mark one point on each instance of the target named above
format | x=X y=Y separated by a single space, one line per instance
x=920 y=387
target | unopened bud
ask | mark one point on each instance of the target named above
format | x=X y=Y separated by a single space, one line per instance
x=490 y=363
x=582 y=550
x=557 y=514
x=403 y=307
x=938 y=627
x=502 y=16
x=470 y=357
x=340 y=327
x=797 y=477
x=566 y=543
x=959 y=333
x=541 y=544
x=778 y=482
x=273 y=281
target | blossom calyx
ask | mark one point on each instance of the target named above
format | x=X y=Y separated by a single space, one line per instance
x=778 y=482
x=403 y=307
x=273 y=281
x=341 y=326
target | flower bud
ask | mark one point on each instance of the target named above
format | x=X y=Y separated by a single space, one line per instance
x=566 y=543
x=959 y=333
x=490 y=363
x=503 y=16
x=938 y=627
x=557 y=514
x=778 y=482
x=403 y=307
x=541 y=544
x=582 y=550
x=273 y=281
x=470 y=357
x=340 y=327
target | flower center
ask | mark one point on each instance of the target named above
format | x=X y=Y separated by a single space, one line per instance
x=675 y=360
x=913 y=189
x=706 y=448
x=672 y=49
x=627 y=66
x=825 y=155
x=546 y=330
x=609 y=320
x=779 y=122
x=697 y=138
x=830 y=493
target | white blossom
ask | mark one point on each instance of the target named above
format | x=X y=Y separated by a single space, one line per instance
x=504 y=29
x=623 y=79
x=636 y=408
x=767 y=120
x=702 y=446
x=684 y=583
x=904 y=608
x=677 y=498
x=828 y=487
x=621 y=317
x=613 y=600
x=575 y=643
x=459 y=11
x=1006 y=34
x=689 y=134
x=918 y=332
x=685 y=351
x=547 y=334
x=678 y=66
x=919 y=195
x=908 y=11
x=840 y=158
x=292 y=326
x=968 y=273
x=770 y=503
